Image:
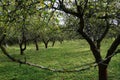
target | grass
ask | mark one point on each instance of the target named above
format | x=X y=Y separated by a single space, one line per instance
x=69 y=55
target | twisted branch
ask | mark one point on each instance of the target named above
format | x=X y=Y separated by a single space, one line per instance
x=80 y=69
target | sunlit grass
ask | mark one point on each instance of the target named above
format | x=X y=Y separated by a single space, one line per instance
x=69 y=55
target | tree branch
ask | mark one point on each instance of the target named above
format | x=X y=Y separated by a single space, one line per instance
x=81 y=68
x=69 y=11
x=93 y=47
x=76 y=2
x=105 y=32
x=112 y=49
x=85 y=6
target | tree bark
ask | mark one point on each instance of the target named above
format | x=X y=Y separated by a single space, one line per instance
x=22 y=45
x=22 y=49
x=6 y=53
x=46 y=43
x=102 y=72
x=96 y=52
x=53 y=43
x=36 y=44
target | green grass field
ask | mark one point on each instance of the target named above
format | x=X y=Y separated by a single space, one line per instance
x=69 y=55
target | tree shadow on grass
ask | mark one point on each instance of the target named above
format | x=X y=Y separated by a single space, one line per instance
x=12 y=71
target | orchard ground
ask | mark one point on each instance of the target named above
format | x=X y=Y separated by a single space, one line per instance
x=68 y=55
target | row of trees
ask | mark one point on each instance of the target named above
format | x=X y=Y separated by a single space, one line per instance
x=38 y=20
x=26 y=22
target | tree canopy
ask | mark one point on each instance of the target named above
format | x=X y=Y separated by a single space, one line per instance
x=40 y=20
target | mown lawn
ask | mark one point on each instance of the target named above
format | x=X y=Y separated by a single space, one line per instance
x=69 y=55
